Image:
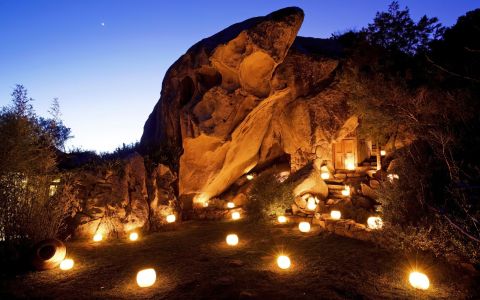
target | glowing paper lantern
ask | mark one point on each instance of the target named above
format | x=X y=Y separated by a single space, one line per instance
x=311 y=205
x=250 y=176
x=383 y=152
x=335 y=214
x=346 y=191
x=230 y=205
x=325 y=175
x=97 y=237
x=171 y=218
x=419 y=280
x=205 y=204
x=283 y=262
x=235 y=215
x=304 y=226
x=146 y=277
x=232 y=239
x=282 y=219
x=133 y=236
x=66 y=264
x=375 y=223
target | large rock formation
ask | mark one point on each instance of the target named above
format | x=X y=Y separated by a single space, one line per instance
x=116 y=197
x=246 y=96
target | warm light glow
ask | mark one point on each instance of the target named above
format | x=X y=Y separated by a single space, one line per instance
x=232 y=239
x=350 y=162
x=282 y=219
x=171 y=218
x=97 y=237
x=146 y=277
x=335 y=214
x=346 y=191
x=133 y=236
x=66 y=264
x=230 y=205
x=375 y=223
x=283 y=262
x=235 y=216
x=205 y=204
x=311 y=205
x=383 y=152
x=304 y=226
x=325 y=175
x=419 y=280
x=250 y=176
x=391 y=177
x=350 y=166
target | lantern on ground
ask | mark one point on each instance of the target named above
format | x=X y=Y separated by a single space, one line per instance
x=383 y=152
x=146 y=277
x=375 y=223
x=230 y=205
x=133 y=236
x=325 y=175
x=171 y=218
x=419 y=280
x=205 y=204
x=304 y=226
x=346 y=191
x=335 y=214
x=283 y=262
x=66 y=264
x=250 y=176
x=235 y=215
x=282 y=219
x=311 y=205
x=232 y=239
x=97 y=237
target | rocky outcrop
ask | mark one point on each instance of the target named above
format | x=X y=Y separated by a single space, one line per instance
x=115 y=198
x=246 y=96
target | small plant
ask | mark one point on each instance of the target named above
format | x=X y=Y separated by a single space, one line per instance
x=269 y=197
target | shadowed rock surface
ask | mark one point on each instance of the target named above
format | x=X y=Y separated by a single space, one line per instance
x=246 y=96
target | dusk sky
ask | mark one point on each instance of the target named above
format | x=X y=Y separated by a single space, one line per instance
x=105 y=60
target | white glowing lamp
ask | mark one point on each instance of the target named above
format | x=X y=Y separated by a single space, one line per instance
x=97 y=237
x=250 y=176
x=392 y=177
x=235 y=215
x=232 y=239
x=133 y=236
x=325 y=175
x=383 y=152
x=346 y=191
x=205 y=204
x=304 y=226
x=375 y=223
x=419 y=280
x=66 y=264
x=282 y=219
x=146 y=277
x=335 y=214
x=171 y=218
x=283 y=262
x=230 y=205
x=311 y=205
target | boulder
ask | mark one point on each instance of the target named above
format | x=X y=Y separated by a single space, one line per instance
x=244 y=97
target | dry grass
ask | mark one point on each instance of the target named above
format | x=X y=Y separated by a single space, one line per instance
x=193 y=262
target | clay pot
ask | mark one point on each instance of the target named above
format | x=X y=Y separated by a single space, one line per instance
x=48 y=254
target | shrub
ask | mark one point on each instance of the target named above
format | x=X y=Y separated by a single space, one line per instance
x=269 y=197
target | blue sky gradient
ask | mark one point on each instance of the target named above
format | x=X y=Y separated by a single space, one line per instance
x=108 y=77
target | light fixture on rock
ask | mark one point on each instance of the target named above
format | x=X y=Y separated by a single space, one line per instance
x=304 y=226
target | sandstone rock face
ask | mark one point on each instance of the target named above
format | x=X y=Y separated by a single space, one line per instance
x=116 y=198
x=246 y=96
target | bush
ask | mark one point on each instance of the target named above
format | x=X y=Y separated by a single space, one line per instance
x=269 y=197
x=32 y=207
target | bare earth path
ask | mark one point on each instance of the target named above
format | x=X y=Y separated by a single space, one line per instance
x=193 y=262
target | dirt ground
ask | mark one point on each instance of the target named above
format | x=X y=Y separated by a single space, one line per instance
x=192 y=261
